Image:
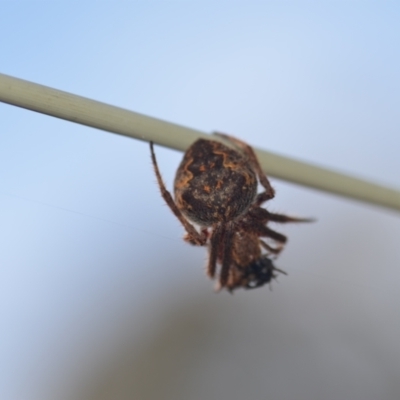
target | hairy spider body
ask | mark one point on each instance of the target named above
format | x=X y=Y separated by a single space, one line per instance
x=216 y=188
x=214 y=183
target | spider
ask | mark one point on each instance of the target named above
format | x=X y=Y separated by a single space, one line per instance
x=216 y=188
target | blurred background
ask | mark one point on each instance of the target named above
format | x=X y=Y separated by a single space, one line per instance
x=99 y=296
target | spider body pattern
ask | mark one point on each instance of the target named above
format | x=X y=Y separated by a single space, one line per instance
x=216 y=188
x=214 y=184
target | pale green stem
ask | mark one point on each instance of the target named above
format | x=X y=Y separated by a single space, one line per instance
x=113 y=119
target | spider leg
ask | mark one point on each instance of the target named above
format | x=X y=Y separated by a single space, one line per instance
x=262 y=198
x=264 y=231
x=226 y=254
x=192 y=236
x=286 y=218
x=215 y=241
x=260 y=214
x=249 y=152
x=274 y=250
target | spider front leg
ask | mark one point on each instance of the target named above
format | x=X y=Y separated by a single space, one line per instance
x=286 y=218
x=192 y=235
x=270 y=249
x=221 y=251
x=262 y=198
x=204 y=233
x=262 y=215
x=226 y=254
x=264 y=231
x=215 y=240
x=258 y=227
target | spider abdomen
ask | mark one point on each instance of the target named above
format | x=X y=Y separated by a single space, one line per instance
x=214 y=183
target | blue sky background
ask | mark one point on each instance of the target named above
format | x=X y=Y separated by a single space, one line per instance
x=92 y=264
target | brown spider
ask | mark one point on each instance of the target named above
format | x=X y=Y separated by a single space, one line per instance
x=216 y=188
